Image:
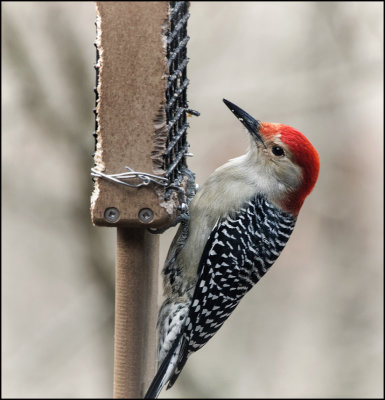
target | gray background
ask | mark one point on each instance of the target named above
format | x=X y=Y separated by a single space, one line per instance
x=313 y=326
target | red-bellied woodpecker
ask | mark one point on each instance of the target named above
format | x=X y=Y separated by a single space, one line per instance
x=240 y=221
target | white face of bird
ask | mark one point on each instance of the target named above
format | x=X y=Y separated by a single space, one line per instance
x=274 y=162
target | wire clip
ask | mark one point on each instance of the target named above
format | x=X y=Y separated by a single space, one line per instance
x=145 y=178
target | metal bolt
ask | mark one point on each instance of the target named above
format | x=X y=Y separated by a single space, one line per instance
x=146 y=215
x=111 y=214
x=183 y=207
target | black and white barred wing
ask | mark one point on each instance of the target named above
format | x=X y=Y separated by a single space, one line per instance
x=240 y=250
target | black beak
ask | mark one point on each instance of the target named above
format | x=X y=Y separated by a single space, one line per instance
x=251 y=124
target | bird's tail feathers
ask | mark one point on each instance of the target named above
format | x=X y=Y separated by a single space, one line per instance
x=180 y=363
x=165 y=371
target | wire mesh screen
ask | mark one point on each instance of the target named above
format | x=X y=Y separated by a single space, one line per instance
x=96 y=66
x=176 y=92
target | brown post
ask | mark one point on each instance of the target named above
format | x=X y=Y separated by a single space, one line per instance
x=132 y=131
x=135 y=311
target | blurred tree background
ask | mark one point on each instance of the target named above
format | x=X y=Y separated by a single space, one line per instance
x=313 y=327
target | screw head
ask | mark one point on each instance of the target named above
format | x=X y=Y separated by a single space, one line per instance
x=111 y=214
x=146 y=215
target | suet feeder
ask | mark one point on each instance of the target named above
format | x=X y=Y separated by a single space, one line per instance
x=140 y=174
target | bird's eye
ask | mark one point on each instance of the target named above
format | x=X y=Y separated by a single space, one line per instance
x=278 y=151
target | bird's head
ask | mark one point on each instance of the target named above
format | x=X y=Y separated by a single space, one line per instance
x=282 y=158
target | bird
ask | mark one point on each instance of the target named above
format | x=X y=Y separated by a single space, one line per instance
x=239 y=222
